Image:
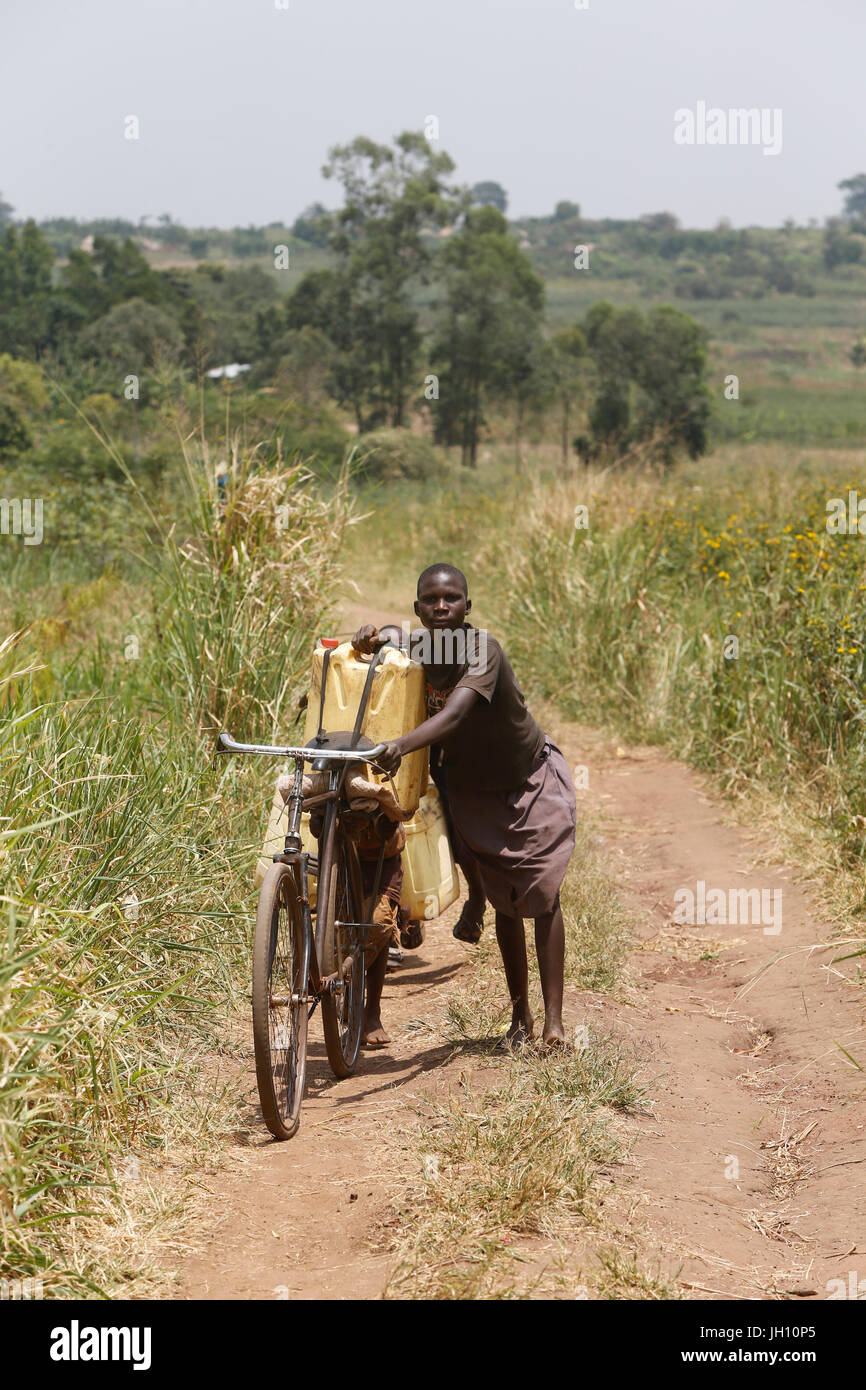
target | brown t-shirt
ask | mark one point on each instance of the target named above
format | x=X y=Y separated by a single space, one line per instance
x=498 y=740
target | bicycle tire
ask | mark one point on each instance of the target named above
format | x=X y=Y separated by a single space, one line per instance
x=343 y=1012
x=281 y=964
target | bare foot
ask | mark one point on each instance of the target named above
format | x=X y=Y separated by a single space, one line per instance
x=522 y=1030
x=553 y=1038
x=470 y=923
x=373 y=1034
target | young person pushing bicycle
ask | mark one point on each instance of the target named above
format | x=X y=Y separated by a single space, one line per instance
x=510 y=795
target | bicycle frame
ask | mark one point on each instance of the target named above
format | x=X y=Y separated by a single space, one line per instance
x=294 y=854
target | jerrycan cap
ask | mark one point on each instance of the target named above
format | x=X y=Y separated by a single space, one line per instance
x=329 y=641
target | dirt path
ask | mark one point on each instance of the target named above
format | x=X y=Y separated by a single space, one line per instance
x=749 y=1169
x=744 y=1181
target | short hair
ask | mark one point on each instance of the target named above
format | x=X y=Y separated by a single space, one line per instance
x=451 y=570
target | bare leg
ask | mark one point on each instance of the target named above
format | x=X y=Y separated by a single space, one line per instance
x=512 y=945
x=550 y=949
x=372 y=1032
x=476 y=898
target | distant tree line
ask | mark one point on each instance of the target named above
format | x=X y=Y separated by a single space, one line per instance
x=482 y=304
x=427 y=305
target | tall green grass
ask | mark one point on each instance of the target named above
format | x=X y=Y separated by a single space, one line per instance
x=719 y=616
x=125 y=862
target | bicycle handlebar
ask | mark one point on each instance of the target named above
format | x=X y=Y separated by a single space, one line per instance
x=226 y=744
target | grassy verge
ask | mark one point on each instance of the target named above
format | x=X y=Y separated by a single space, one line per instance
x=126 y=866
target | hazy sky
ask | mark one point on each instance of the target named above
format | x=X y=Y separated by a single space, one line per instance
x=238 y=102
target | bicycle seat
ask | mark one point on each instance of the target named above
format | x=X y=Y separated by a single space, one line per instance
x=340 y=741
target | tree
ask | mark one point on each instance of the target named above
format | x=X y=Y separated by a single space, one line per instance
x=304 y=367
x=649 y=380
x=81 y=282
x=6 y=211
x=133 y=337
x=326 y=302
x=392 y=194
x=855 y=197
x=566 y=211
x=527 y=373
x=490 y=194
x=125 y=271
x=664 y=222
x=841 y=245
x=26 y=297
x=670 y=375
x=488 y=327
x=230 y=300
x=115 y=271
x=615 y=339
x=857 y=354
x=198 y=338
x=366 y=307
x=23 y=398
x=313 y=225
x=568 y=348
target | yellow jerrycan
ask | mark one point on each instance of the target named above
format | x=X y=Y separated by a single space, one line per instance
x=430 y=881
x=395 y=705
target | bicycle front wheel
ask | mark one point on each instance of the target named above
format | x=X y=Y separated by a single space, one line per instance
x=342 y=954
x=281 y=963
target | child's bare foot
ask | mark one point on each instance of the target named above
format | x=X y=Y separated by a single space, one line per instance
x=470 y=923
x=522 y=1029
x=553 y=1038
x=373 y=1034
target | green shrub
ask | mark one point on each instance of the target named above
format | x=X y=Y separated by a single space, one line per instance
x=391 y=454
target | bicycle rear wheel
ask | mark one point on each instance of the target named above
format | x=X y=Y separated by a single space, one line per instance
x=281 y=963
x=342 y=953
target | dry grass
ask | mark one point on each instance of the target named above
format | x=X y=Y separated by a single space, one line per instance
x=509 y=1163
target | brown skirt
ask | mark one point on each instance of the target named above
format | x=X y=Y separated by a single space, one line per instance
x=521 y=839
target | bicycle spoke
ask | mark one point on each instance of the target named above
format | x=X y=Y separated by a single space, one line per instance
x=279 y=1003
x=342 y=1013
x=284 y=983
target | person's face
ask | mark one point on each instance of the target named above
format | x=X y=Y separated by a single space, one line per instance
x=441 y=602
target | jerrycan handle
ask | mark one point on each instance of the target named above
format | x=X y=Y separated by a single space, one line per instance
x=329 y=646
x=362 y=707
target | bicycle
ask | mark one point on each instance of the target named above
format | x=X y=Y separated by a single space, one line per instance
x=294 y=967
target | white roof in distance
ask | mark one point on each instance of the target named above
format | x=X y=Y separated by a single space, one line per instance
x=232 y=369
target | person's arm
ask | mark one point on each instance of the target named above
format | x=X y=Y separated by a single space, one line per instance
x=433 y=730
